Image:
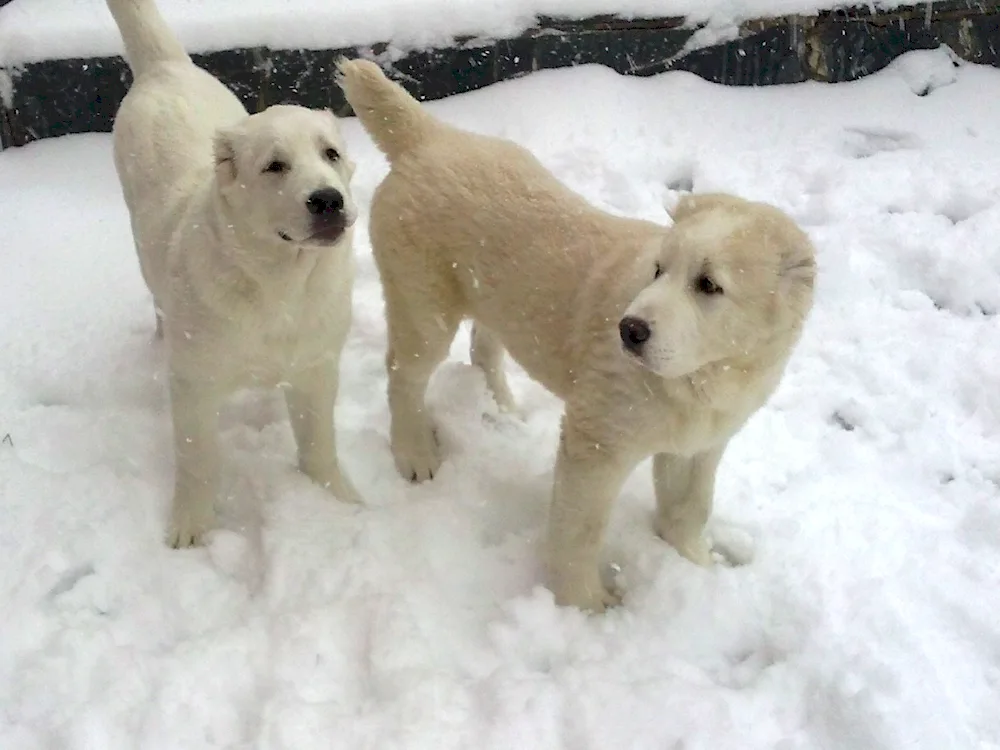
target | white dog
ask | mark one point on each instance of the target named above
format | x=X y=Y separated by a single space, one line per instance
x=242 y=224
x=661 y=341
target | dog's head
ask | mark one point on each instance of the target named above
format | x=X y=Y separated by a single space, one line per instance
x=730 y=277
x=285 y=176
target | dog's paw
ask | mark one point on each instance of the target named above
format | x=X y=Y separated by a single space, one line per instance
x=691 y=547
x=513 y=412
x=417 y=455
x=597 y=603
x=189 y=523
x=333 y=481
x=731 y=545
x=504 y=399
x=506 y=420
x=590 y=596
x=345 y=492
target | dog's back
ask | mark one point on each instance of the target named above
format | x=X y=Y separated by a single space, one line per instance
x=482 y=222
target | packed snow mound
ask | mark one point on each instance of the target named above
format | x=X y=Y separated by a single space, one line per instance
x=927 y=70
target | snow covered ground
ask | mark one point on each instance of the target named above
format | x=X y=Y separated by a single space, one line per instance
x=868 y=620
x=32 y=30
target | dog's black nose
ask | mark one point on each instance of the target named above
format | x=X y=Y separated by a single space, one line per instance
x=326 y=201
x=634 y=332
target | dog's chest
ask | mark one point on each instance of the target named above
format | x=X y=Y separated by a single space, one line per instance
x=291 y=335
x=666 y=426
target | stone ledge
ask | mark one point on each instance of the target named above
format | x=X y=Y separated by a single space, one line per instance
x=59 y=97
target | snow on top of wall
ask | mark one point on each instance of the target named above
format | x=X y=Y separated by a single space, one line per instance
x=33 y=30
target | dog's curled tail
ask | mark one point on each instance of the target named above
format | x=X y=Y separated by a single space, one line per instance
x=394 y=119
x=148 y=40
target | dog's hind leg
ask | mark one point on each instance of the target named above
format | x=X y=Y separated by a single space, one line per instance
x=487 y=353
x=684 y=489
x=419 y=335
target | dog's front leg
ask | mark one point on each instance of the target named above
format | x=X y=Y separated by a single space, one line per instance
x=587 y=481
x=311 y=399
x=684 y=489
x=195 y=411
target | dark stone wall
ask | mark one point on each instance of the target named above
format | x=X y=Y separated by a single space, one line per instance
x=58 y=97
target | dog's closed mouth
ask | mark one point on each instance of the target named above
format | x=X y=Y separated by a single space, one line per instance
x=325 y=235
x=329 y=229
x=328 y=234
x=637 y=358
x=634 y=356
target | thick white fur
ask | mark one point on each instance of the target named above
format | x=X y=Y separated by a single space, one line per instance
x=472 y=226
x=251 y=288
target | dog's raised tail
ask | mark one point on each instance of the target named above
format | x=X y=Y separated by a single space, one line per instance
x=394 y=119
x=148 y=40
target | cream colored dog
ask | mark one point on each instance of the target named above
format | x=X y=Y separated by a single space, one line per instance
x=661 y=341
x=243 y=229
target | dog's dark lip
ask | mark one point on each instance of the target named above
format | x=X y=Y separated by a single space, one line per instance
x=330 y=230
x=327 y=235
x=631 y=354
x=637 y=359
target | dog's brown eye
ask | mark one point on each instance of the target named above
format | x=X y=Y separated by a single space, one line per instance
x=658 y=272
x=276 y=167
x=332 y=154
x=706 y=285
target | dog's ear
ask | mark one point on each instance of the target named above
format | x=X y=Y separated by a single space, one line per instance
x=224 y=151
x=797 y=264
x=692 y=204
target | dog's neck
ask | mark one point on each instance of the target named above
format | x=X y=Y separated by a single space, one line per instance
x=242 y=270
x=723 y=385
